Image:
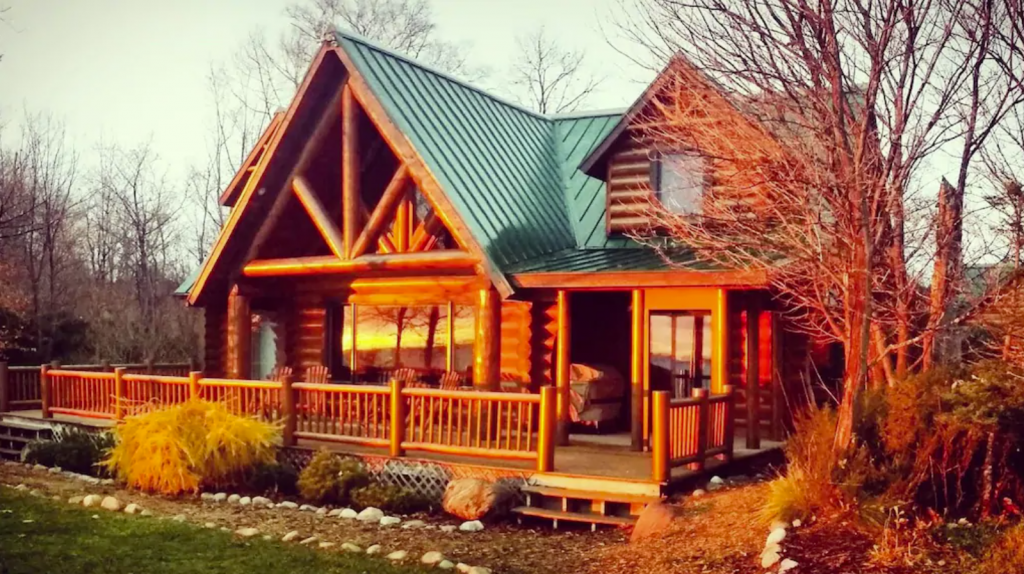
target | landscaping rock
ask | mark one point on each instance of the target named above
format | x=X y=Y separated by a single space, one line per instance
x=290 y=536
x=373 y=549
x=132 y=509
x=287 y=504
x=75 y=500
x=479 y=570
x=370 y=514
x=397 y=555
x=308 y=508
x=91 y=480
x=776 y=536
x=309 y=540
x=268 y=537
x=787 y=565
x=21 y=487
x=474 y=498
x=179 y=518
x=697 y=493
x=35 y=492
x=225 y=529
x=234 y=498
x=38 y=467
x=350 y=547
x=210 y=525
x=261 y=501
x=462 y=567
x=653 y=521
x=321 y=511
x=334 y=513
x=769 y=558
x=778 y=524
x=245 y=501
x=471 y=526
x=431 y=558
x=107 y=481
x=348 y=514
x=413 y=524
x=325 y=545
x=54 y=470
x=449 y=528
x=446 y=565
x=247 y=532
x=390 y=520
x=715 y=483
x=145 y=513
x=92 y=500
x=220 y=497
x=207 y=496
x=796 y=523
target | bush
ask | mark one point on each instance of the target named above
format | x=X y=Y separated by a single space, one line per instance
x=329 y=479
x=190 y=446
x=1006 y=555
x=74 y=450
x=389 y=498
x=274 y=478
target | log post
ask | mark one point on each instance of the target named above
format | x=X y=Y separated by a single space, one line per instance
x=720 y=336
x=562 y=364
x=239 y=335
x=546 y=430
x=660 y=451
x=288 y=410
x=753 y=377
x=730 y=421
x=487 y=352
x=703 y=423
x=637 y=356
x=44 y=390
x=5 y=392
x=349 y=170
x=397 y=418
x=119 y=394
x=193 y=385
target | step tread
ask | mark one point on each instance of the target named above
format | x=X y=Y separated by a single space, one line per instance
x=23 y=425
x=589 y=495
x=573 y=516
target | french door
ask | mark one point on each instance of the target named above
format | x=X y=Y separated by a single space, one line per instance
x=680 y=351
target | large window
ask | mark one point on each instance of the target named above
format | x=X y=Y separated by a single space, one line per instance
x=430 y=339
x=680 y=352
x=678 y=181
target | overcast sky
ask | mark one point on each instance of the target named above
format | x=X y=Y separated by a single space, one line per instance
x=127 y=70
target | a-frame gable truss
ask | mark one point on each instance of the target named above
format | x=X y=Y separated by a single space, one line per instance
x=403 y=224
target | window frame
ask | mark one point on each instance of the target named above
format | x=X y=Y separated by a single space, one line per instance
x=656 y=178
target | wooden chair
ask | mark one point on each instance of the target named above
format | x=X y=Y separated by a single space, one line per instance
x=279 y=373
x=317 y=374
x=452 y=381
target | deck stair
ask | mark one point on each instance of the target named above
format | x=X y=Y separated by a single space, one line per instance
x=587 y=502
x=16 y=433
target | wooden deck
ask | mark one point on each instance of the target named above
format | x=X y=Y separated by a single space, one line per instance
x=587 y=456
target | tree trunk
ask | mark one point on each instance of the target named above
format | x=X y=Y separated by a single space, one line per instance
x=987 y=478
x=948 y=237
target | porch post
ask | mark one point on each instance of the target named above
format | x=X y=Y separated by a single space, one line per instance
x=753 y=376
x=638 y=352
x=44 y=391
x=5 y=396
x=545 y=430
x=720 y=350
x=660 y=453
x=288 y=410
x=562 y=344
x=119 y=394
x=487 y=343
x=239 y=336
x=349 y=169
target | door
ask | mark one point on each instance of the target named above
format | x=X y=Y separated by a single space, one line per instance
x=680 y=351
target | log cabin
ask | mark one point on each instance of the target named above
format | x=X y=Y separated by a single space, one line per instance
x=395 y=222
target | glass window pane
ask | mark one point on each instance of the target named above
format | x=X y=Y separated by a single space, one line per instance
x=264 y=346
x=464 y=326
x=391 y=337
x=681 y=183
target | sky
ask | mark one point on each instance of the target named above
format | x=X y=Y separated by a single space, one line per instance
x=126 y=71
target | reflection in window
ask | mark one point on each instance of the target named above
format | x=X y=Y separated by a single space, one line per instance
x=680 y=356
x=463 y=325
x=391 y=337
x=264 y=353
x=678 y=182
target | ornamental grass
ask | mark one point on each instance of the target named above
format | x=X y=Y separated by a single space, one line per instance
x=186 y=447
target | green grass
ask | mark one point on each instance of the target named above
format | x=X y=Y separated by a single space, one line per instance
x=62 y=539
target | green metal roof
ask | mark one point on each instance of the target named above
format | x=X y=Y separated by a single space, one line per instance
x=186 y=285
x=612 y=259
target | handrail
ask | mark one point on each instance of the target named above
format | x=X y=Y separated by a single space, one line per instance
x=691 y=430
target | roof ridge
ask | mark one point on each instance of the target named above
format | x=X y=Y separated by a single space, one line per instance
x=578 y=115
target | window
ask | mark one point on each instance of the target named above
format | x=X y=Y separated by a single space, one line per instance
x=680 y=351
x=678 y=181
x=265 y=346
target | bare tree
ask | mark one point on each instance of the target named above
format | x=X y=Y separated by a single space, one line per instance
x=551 y=78
x=814 y=122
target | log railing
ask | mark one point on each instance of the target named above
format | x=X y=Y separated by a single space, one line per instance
x=20 y=387
x=478 y=424
x=689 y=431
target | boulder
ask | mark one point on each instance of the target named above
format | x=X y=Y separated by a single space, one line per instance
x=92 y=500
x=431 y=558
x=653 y=521
x=348 y=513
x=247 y=532
x=290 y=536
x=132 y=509
x=373 y=549
x=351 y=547
x=397 y=555
x=261 y=501
x=474 y=498
x=471 y=526
x=390 y=520
x=370 y=514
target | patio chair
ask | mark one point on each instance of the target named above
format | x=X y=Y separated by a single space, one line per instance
x=317 y=374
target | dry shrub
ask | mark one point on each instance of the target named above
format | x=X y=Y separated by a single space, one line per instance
x=1006 y=555
x=329 y=479
x=189 y=446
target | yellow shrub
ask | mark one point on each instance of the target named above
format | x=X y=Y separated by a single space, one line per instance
x=1006 y=555
x=185 y=447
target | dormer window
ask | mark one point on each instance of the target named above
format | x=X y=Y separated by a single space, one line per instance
x=678 y=181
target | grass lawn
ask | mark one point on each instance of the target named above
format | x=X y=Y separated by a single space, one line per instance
x=64 y=539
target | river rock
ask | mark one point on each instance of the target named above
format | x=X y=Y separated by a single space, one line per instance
x=409 y=524
x=431 y=558
x=715 y=483
x=247 y=532
x=309 y=540
x=245 y=501
x=478 y=570
x=261 y=501
x=471 y=526
x=290 y=536
x=449 y=528
x=351 y=547
x=390 y=520
x=132 y=509
x=325 y=545
x=787 y=565
x=220 y=497
x=234 y=498
x=446 y=565
x=775 y=536
x=76 y=500
x=769 y=558
x=308 y=508
x=370 y=514
x=207 y=496
x=348 y=514
x=373 y=549
x=334 y=513
x=287 y=504
x=92 y=500
x=397 y=555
